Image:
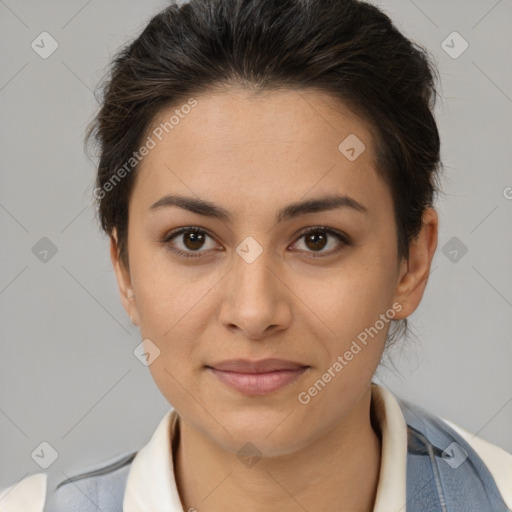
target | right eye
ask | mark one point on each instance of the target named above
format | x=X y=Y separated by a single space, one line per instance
x=192 y=239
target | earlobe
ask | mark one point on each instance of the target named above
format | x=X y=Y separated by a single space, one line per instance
x=415 y=271
x=123 y=280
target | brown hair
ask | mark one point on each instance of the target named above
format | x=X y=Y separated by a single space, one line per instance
x=347 y=48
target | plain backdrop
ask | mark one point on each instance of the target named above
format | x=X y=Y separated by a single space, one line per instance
x=68 y=375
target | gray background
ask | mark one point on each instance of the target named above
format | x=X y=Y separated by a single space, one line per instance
x=68 y=375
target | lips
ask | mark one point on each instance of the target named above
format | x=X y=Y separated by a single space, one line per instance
x=262 y=366
x=256 y=378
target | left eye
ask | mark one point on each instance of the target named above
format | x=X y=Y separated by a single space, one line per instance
x=193 y=239
x=317 y=239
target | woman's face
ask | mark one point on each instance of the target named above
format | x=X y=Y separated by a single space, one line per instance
x=252 y=285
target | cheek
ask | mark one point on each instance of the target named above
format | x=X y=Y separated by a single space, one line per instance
x=166 y=293
x=352 y=298
x=175 y=306
x=356 y=307
x=352 y=338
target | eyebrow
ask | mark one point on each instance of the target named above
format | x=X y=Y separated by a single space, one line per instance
x=208 y=209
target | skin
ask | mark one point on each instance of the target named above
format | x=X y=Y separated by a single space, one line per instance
x=253 y=155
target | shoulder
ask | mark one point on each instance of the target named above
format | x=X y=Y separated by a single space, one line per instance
x=497 y=460
x=29 y=493
x=102 y=486
x=99 y=488
x=489 y=466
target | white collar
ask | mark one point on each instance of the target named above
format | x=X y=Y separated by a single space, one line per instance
x=151 y=486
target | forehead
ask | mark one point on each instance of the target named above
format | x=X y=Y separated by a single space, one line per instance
x=278 y=145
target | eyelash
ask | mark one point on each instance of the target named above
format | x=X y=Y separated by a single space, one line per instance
x=344 y=239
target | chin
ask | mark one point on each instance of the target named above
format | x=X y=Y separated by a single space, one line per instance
x=267 y=436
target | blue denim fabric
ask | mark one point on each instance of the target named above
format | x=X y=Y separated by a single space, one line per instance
x=444 y=473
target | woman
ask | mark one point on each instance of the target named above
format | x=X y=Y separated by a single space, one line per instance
x=267 y=177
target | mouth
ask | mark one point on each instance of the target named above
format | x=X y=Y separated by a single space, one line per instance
x=257 y=377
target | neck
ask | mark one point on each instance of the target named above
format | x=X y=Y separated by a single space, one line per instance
x=339 y=471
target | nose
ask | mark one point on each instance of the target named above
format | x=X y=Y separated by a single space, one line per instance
x=256 y=300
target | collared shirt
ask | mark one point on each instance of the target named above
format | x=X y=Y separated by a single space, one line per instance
x=151 y=484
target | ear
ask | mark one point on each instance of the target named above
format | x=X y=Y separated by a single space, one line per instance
x=415 y=271
x=124 y=281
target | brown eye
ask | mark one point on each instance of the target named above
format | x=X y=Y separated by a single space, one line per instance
x=188 y=241
x=192 y=241
x=316 y=239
